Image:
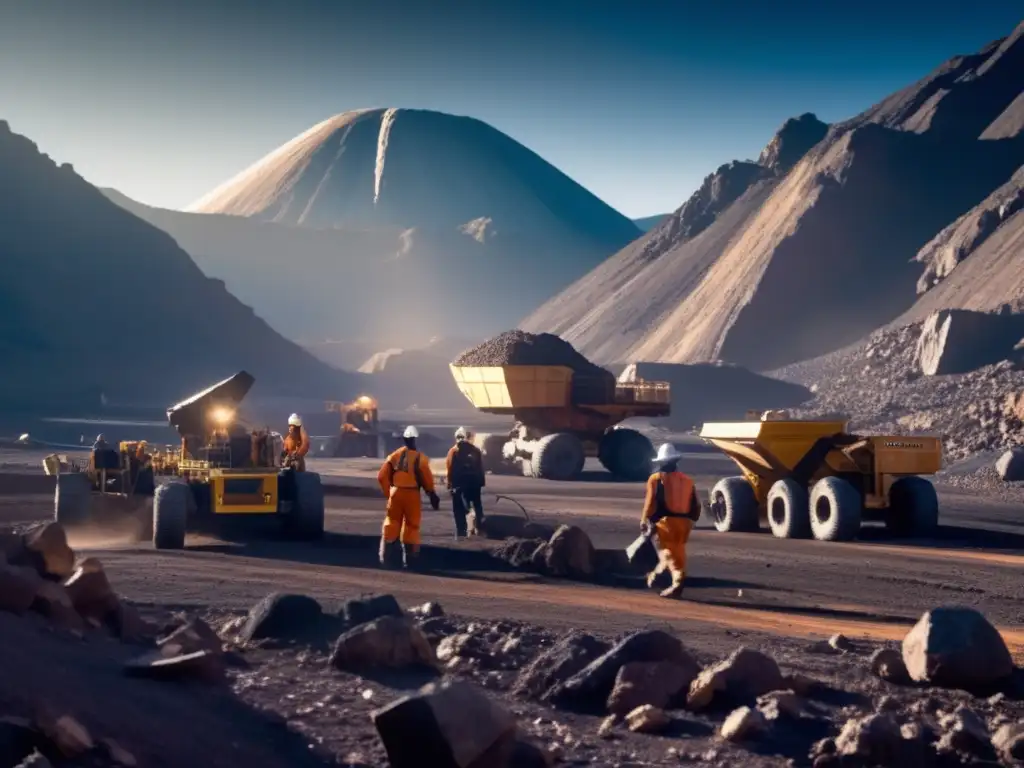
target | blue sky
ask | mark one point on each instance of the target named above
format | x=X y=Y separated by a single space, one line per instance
x=636 y=100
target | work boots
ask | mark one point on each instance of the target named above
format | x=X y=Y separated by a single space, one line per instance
x=388 y=553
x=410 y=556
x=676 y=590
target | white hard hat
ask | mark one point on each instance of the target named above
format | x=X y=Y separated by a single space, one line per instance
x=99 y=438
x=461 y=434
x=410 y=431
x=666 y=453
x=295 y=420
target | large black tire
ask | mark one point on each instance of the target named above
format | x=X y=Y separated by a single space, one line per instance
x=913 y=508
x=170 y=515
x=558 y=457
x=306 y=520
x=789 y=512
x=626 y=454
x=491 y=446
x=734 y=506
x=836 y=510
x=72 y=501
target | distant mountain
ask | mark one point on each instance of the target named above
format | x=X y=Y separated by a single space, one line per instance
x=394 y=226
x=813 y=246
x=94 y=300
x=647 y=223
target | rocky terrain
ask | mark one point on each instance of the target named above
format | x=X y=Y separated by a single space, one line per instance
x=832 y=216
x=880 y=384
x=330 y=216
x=366 y=682
x=94 y=300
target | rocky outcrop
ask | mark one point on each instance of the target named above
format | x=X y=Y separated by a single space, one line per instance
x=959 y=341
x=792 y=141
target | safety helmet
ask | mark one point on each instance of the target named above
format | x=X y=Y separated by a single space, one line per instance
x=666 y=453
x=295 y=420
x=99 y=438
x=410 y=432
x=461 y=434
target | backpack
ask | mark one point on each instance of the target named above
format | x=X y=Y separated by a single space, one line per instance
x=466 y=464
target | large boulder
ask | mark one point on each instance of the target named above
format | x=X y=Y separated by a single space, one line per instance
x=390 y=641
x=959 y=340
x=736 y=680
x=280 y=616
x=48 y=544
x=368 y=608
x=956 y=648
x=658 y=683
x=1010 y=465
x=569 y=553
x=90 y=591
x=588 y=690
x=447 y=725
x=564 y=659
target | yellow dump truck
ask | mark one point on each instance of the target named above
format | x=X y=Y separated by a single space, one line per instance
x=814 y=479
x=561 y=418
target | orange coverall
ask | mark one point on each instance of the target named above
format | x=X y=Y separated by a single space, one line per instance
x=672 y=531
x=397 y=478
x=297 y=445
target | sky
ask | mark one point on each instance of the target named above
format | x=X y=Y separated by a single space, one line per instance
x=636 y=100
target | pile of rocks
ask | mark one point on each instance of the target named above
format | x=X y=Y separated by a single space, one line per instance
x=521 y=348
x=880 y=386
x=566 y=552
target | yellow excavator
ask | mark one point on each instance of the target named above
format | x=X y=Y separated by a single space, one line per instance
x=359 y=434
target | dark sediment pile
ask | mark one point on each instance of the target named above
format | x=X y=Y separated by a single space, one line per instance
x=522 y=348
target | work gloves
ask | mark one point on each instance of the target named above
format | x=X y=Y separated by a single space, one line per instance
x=435 y=501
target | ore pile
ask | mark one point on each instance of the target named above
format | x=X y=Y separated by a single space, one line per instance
x=522 y=348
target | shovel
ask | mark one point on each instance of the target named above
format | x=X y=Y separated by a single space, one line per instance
x=637 y=545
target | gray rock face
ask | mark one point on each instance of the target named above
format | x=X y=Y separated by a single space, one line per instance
x=446 y=725
x=792 y=141
x=956 y=648
x=959 y=341
x=1010 y=465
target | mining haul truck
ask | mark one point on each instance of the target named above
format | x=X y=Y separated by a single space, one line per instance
x=561 y=418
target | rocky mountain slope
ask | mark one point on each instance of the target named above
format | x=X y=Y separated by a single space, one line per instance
x=812 y=247
x=474 y=224
x=92 y=299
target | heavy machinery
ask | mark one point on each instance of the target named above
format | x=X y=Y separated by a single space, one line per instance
x=812 y=478
x=561 y=418
x=359 y=435
x=222 y=470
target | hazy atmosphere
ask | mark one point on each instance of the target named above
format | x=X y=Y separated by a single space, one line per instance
x=637 y=101
x=511 y=385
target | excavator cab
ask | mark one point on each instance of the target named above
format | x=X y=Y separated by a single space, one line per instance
x=359 y=435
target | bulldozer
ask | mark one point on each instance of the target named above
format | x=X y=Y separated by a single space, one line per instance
x=359 y=435
x=813 y=478
x=562 y=417
x=222 y=470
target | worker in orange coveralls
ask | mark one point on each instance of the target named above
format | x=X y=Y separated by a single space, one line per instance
x=401 y=477
x=671 y=509
x=296 y=444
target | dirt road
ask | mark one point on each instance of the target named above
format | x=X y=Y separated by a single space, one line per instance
x=738 y=583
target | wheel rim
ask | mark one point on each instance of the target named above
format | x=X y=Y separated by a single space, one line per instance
x=822 y=510
x=719 y=507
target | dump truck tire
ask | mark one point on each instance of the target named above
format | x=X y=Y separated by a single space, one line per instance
x=913 y=508
x=789 y=511
x=737 y=506
x=836 y=508
x=491 y=446
x=626 y=454
x=307 y=518
x=558 y=457
x=72 y=500
x=170 y=515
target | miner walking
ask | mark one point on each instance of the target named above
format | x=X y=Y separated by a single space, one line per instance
x=671 y=509
x=402 y=476
x=466 y=479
